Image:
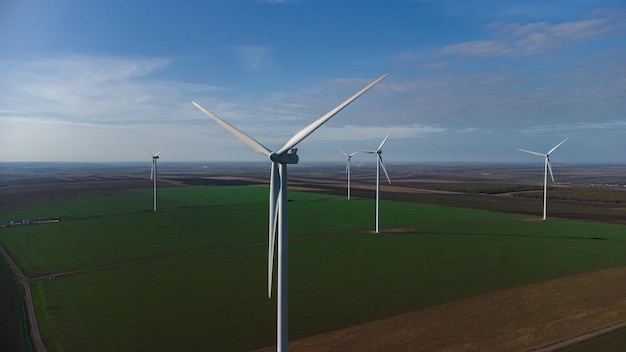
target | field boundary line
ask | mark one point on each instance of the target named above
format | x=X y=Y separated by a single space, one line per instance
x=581 y=338
x=35 y=334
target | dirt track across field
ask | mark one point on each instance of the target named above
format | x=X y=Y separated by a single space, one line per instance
x=38 y=344
x=525 y=318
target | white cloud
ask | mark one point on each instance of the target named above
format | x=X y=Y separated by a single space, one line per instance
x=514 y=39
x=609 y=126
x=254 y=57
x=99 y=89
x=483 y=48
x=113 y=109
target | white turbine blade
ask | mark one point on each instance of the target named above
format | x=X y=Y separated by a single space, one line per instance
x=558 y=145
x=271 y=239
x=353 y=154
x=249 y=141
x=528 y=151
x=152 y=170
x=380 y=158
x=384 y=140
x=305 y=132
x=550 y=168
x=347 y=159
x=160 y=151
x=366 y=151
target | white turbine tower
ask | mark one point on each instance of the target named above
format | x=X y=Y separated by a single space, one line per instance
x=379 y=164
x=278 y=202
x=348 y=167
x=547 y=168
x=153 y=175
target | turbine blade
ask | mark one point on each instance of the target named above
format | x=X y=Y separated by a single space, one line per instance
x=558 y=145
x=274 y=207
x=347 y=165
x=157 y=154
x=380 y=158
x=305 y=132
x=353 y=154
x=385 y=140
x=342 y=152
x=249 y=141
x=528 y=151
x=152 y=170
x=366 y=151
x=550 y=168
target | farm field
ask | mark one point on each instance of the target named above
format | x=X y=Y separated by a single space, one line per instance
x=193 y=276
x=612 y=342
x=13 y=331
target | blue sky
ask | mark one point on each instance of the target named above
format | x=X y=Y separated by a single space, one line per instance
x=84 y=80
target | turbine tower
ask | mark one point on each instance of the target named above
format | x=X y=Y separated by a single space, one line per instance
x=278 y=202
x=379 y=165
x=545 y=176
x=153 y=175
x=348 y=167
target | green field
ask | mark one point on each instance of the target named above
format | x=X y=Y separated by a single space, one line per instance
x=13 y=330
x=193 y=276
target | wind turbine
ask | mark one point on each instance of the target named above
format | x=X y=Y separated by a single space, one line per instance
x=379 y=164
x=278 y=202
x=348 y=167
x=153 y=175
x=545 y=177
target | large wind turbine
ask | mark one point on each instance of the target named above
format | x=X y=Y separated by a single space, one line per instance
x=278 y=202
x=545 y=177
x=153 y=175
x=348 y=167
x=379 y=164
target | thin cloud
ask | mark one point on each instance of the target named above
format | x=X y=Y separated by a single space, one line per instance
x=514 y=39
x=254 y=57
x=96 y=89
x=614 y=126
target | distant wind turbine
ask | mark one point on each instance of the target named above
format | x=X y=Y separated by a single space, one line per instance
x=153 y=175
x=379 y=164
x=278 y=202
x=547 y=168
x=348 y=167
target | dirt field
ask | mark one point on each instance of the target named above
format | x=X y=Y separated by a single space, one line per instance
x=520 y=319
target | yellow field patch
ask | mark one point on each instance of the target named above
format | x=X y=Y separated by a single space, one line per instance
x=519 y=319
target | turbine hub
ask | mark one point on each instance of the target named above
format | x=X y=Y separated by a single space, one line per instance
x=289 y=157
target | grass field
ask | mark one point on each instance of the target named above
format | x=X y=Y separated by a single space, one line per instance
x=13 y=332
x=193 y=276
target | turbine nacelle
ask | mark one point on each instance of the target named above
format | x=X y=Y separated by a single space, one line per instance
x=290 y=157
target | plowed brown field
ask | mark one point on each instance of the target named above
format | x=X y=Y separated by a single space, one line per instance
x=519 y=319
